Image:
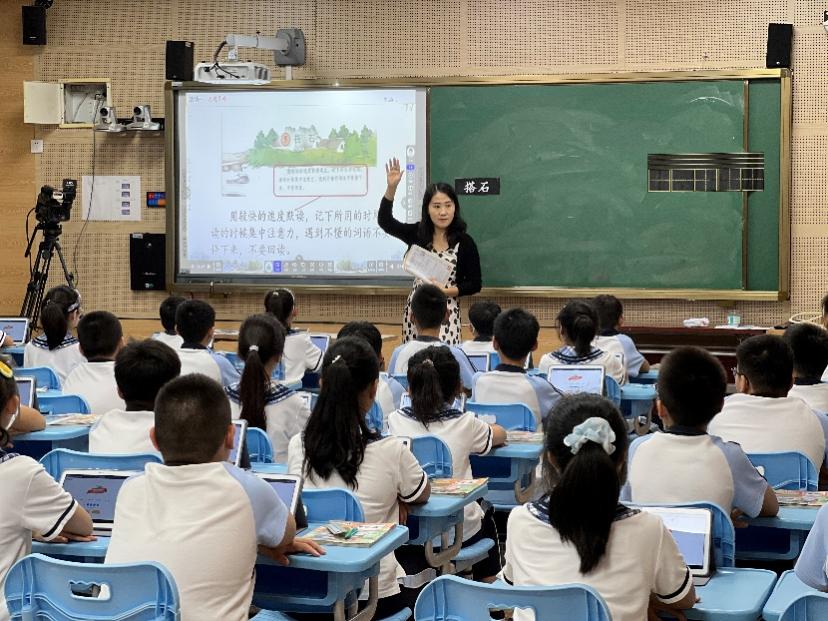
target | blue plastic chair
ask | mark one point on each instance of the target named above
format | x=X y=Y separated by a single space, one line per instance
x=44 y=376
x=783 y=470
x=259 y=446
x=494 y=360
x=807 y=608
x=434 y=456
x=402 y=379
x=788 y=589
x=58 y=460
x=63 y=404
x=374 y=418
x=650 y=377
x=612 y=390
x=453 y=598
x=510 y=416
x=234 y=359
x=39 y=587
x=323 y=505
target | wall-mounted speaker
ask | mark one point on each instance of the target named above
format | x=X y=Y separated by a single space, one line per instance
x=780 y=39
x=34 y=25
x=147 y=262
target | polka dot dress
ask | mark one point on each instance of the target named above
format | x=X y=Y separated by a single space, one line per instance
x=449 y=332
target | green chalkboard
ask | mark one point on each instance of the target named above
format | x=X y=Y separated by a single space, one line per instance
x=574 y=208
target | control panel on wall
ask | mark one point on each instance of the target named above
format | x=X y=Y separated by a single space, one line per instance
x=69 y=103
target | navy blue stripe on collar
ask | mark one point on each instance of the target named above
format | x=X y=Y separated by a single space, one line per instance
x=510 y=368
x=193 y=346
x=482 y=339
x=802 y=381
x=428 y=339
x=446 y=413
x=681 y=430
x=610 y=332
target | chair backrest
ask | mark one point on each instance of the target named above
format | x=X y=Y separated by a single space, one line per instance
x=58 y=460
x=510 y=416
x=234 y=359
x=375 y=419
x=39 y=587
x=494 y=360
x=724 y=535
x=63 y=404
x=786 y=470
x=259 y=446
x=450 y=597
x=402 y=379
x=322 y=505
x=434 y=456
x=807 y=608
x=45 y=376
x=612 y=390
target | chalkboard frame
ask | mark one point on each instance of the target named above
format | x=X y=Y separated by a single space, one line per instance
x=386 y=287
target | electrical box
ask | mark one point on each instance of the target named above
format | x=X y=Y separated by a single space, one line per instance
x=69 y=103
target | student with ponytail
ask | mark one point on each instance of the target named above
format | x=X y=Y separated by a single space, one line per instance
x=30 y=499
x=301 y=354
x=263 y=403
x=57 y=347
x=578 y=531
x=578 y=325
x=434 y=383
x=337 y=449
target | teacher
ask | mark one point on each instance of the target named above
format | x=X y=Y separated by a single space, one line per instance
x=442 y=231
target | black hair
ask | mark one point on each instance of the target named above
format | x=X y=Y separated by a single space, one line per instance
x=100 y=334
x=261 y=339
x=280 y=303
x=433 y=381
x=58 y=303
x=425 y=229
x=767 y=361
x=809 y=344
x=825 y=305
x=482 y=316
x=692 y=385
x=585 y=486
x=609 y=310
x=516 y=332
x=428 y=306
x=8 y=389
x=193 y=320
x=167 y=311
x=141 y=370
x=192 y=415
x=365 y=330
x=336 y=434
x=579 y=321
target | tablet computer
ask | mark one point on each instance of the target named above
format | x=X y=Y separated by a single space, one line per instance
x=577 y=378
x=692 y=528
x=96 y=491
x=235 y=457
x=480 y=362
x=321 y=341
x=15 y=327
x=26 y=390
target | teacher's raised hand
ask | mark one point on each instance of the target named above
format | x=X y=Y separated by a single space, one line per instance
x=393 y=175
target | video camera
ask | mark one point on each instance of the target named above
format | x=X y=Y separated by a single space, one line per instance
x=54 y=206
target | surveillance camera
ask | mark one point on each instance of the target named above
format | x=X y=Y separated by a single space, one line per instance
x=142 y=119
x=137 y=111
x=108 y=120
x=104 y=112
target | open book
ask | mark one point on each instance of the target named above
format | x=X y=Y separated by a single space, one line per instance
x=517 y=436
x=792 y=497
x=353 y=534
x=456 y=487
x=426 y=265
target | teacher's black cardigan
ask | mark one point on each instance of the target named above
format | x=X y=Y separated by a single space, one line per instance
x=468 y=277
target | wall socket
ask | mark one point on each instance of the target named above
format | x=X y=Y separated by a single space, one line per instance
x=37 y=146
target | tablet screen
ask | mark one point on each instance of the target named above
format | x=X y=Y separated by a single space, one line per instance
x=25 y=388
x=691 y=530
x=321 y=341
x=15 y=327
x=238 y=439
x=480 y=362
x=571 y=379
x=96 y=493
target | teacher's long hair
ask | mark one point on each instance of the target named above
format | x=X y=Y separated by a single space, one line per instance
x=425 y=231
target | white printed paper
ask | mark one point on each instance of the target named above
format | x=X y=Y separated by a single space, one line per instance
x=114 y=198
x=426 y=265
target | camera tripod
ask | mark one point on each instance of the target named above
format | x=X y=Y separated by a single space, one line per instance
x=39 y=275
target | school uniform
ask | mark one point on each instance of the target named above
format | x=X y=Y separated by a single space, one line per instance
x=229 y=374
x=120 y=431
x=30 y=501
x=300 y=356
x=389 y=395
x=641 y=559
x=815 y=394
x=613 y=367
x=478 y=346
x=403 y=353
x=464 y=434
x=95 y=382
x=680 y=465
x=203 y=522
x=389 y=472
x=612 y=341
x=63 y=359
x=812 y=564
x=511 y=384
x=285 y=414
x=198 y=359
x=169 y=338
x=766 y=424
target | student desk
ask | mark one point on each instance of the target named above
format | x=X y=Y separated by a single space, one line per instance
x=37 y=443
x=789 y=518
x=16 y=353
x=511 y=470
x=268 y=468
x=308 y=583
x=733 y=594
x=436 y=518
